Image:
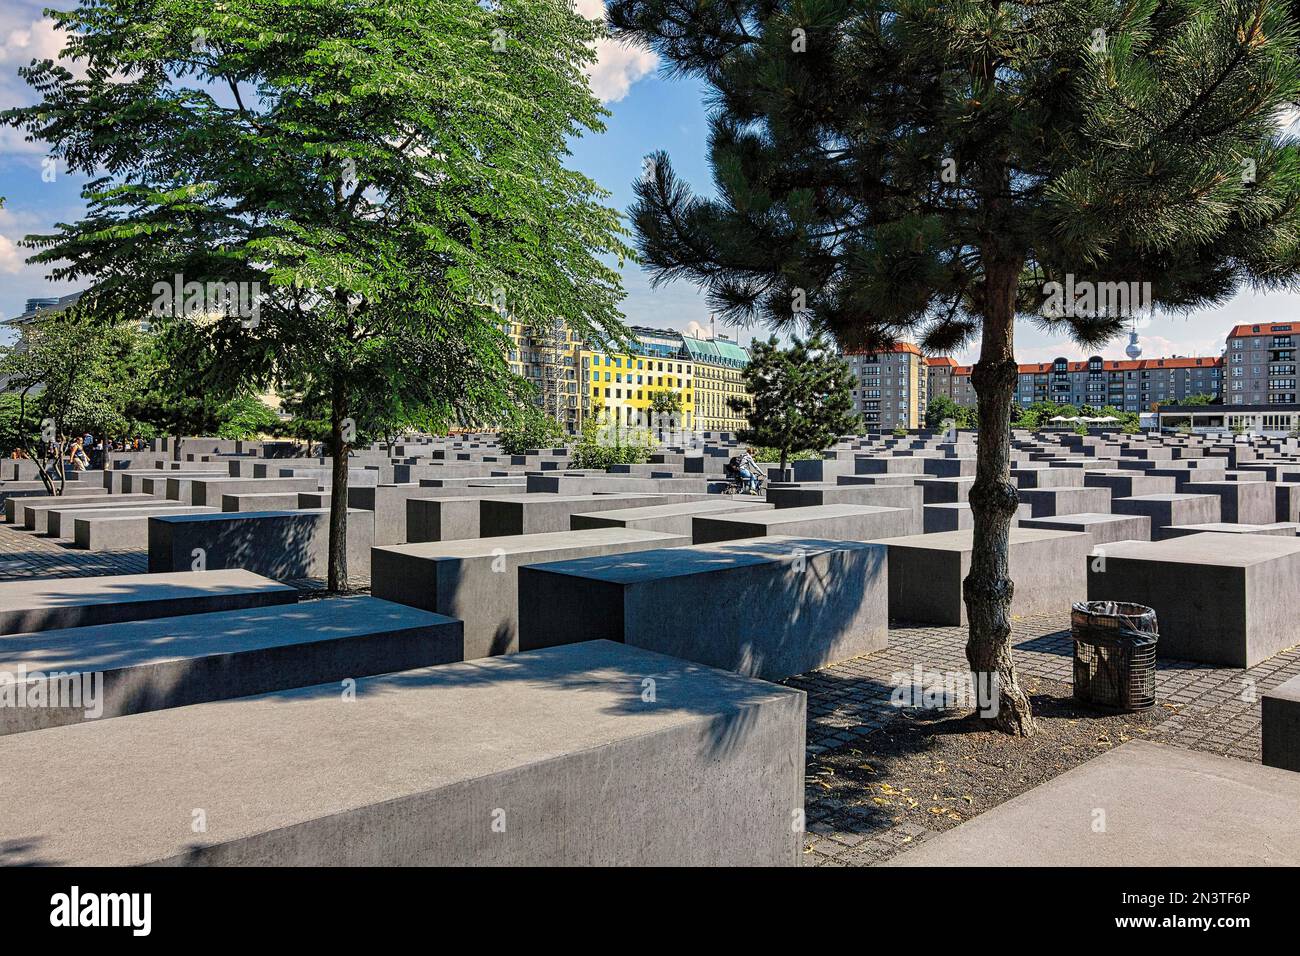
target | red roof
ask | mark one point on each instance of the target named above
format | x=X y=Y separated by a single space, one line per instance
x=896 y=347
x=1266 y=328
x=940 y=360
x=1114 y=365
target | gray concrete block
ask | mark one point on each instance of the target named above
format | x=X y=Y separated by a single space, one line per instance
x=34 y=513
x=546 y=513
x=1286 y=501
x=1240 y=502
x=945 y=490
x=557 y=744
x=926 y=572
x=477 y=580
x=1165 y=806
x=1104 y=528
x=45 y=604
x=956 y=516
x=1280 y=733
x=139 y=666
x=669 y=519
x=261 y=501
x=1127 y=484
x=1065 y=500
x=832 y=522
x=284 y=545
x=209 y=491
x=57 y=522
x=15 y=507
x=1166 y=510
x=123 y=529
x=1278 y=529
x=769 y=607
x=1226 y=599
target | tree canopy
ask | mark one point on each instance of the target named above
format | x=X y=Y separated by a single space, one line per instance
x=935 y=168
x=324 y=191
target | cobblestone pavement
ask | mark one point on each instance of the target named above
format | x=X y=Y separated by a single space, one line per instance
x=1206 y=708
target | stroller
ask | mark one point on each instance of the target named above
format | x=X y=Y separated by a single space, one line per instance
x=736 y=483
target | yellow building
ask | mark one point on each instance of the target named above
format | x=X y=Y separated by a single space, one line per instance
x=719 y=366
x=620 y=387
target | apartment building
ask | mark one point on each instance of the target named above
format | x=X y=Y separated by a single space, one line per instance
x=891 y=386
x=546 y=356
x=1131 y=385
x=620 y=387
x=719 y=365
x=1260 y=365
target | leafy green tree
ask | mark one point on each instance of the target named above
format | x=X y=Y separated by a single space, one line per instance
x=937 y=167
x=941 y=408
x=246 y=417
x=61 y=373
x=802 y=396
x=1200 y=399
x=530 y=428
x=350 y=186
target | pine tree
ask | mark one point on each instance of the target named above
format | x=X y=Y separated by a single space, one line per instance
x=931 y=168
x=801 y=396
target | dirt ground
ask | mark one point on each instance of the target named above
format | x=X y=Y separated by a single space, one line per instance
x=934 y=769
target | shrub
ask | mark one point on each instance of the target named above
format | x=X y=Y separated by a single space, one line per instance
x=530 y=429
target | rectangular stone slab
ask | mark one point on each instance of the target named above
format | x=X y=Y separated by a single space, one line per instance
x=124 y=529
x=543 y=513
x=476 y=580
x=14 y=507
x=177 y=661
x=261 y=501
x=669 y=519
x=1226 y=599
x=926 y=573
x=1104 y=528
x=1164 y=806
x=209 y=491
x=59 y=521
x=538 y=759
x=285 y=545
x=832 y=522
x=1166 y=510
x=36 y=517
x=79 y=602
x=1280 y=733
x=769 y=607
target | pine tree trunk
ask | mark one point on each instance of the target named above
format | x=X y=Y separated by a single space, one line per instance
x=993 y=500
x=338 y=545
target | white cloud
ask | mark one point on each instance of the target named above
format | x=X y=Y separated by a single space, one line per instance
x=11 y=257
x=20 y=43
x=618 y=65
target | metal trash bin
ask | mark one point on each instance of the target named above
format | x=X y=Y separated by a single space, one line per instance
x=1114 y=654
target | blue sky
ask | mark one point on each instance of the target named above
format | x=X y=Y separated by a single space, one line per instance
x=649 y=113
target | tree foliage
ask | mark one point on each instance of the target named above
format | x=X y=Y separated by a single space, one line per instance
x=941 y=409
x=530 y=429
x=934 y=168
x=801 y=396
x=379 y=186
